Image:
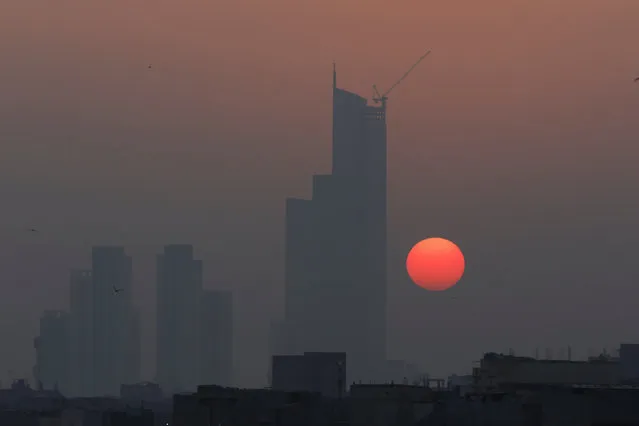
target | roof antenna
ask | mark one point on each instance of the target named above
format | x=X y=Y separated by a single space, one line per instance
x=334 y=77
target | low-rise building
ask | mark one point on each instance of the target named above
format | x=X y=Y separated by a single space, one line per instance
x=215 y=405
x=460 y=385
x=321 y=372
x=629 y=362
x=497 y=371
x=390 y=404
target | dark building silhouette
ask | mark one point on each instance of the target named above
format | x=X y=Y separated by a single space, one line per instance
x=336 y=245
x=52 y=351
x=322 y=372
x=116 y=344
x=216 y=353
x=629 y=363
x=81 y=332
x=179 y=288
x=129 y=417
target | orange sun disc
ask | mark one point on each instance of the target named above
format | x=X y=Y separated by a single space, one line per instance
x=435 y=264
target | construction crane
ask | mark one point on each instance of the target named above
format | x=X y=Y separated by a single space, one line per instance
x=377 y=98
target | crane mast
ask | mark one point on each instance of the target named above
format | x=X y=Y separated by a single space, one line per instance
x=377 y=97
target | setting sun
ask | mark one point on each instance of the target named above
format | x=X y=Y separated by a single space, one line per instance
x=435 y=264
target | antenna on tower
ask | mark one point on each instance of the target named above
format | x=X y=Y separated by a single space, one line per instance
x=334 y=77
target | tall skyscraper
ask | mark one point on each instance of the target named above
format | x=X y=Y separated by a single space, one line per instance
x=179 y=288
x=81 y=332
x=336 y=245
x=52 y=351
x=216 y=330
x=115 y=323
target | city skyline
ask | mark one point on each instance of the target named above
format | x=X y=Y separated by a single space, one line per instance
x=517 y=144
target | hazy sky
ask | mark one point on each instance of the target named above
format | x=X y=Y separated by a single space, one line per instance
x=516 y=138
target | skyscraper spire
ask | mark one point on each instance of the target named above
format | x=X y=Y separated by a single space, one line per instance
x=334 y=77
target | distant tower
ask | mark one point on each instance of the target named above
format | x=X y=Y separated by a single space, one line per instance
x=216 y=338
x=51 y=348
x=336 y=245
x=179 y=293
x=116 y=355
x=81 y=332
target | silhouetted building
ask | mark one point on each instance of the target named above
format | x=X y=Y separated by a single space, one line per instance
x=81 y=333
x=629 y=362
x=130 y=417
x=52 y=351
x=277 y=344
x=179 y=288
x=322 y=372
x=460 y=385
x=116 y=345
x=499 y=372
x=336 y=245
x=214 y=405
x=216 y=339
x=390 y=404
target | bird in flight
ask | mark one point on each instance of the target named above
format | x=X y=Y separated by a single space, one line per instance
x=636 y=79
x=117 y=290
x=32 y=230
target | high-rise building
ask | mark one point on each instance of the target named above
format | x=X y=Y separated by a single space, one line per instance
x=81 y=332
x=179 y=288
x=216 y=330
x=115 y=327
x=52 y=351
x=336 y=245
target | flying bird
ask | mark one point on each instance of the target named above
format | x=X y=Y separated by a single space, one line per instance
x=117 y=290
x=32 y=230
x=636 y=79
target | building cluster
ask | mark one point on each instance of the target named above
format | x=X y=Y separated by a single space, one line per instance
x=310 y=389
x=94 y=348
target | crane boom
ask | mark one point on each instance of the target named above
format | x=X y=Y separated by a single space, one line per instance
x=384 y=97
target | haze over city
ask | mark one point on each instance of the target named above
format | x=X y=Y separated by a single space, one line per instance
x=516 y=138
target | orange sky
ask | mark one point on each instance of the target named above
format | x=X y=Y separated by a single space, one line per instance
x=524 y=115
